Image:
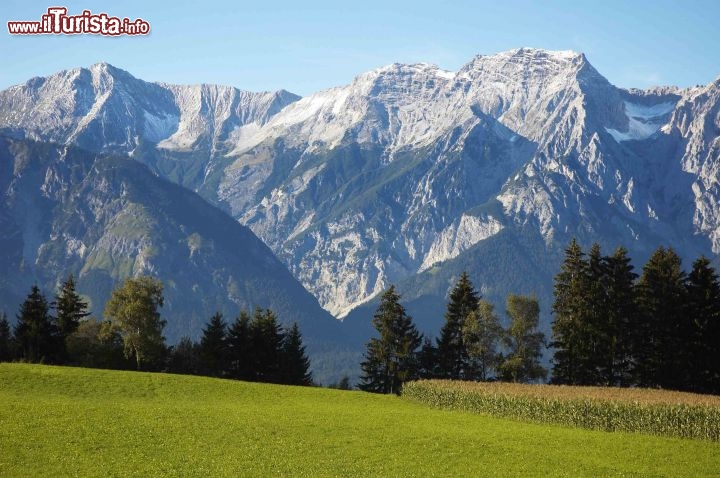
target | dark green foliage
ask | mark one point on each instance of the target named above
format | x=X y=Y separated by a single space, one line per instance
x=266 y=339
x=427 y=360
x=70 y=309
x=594 y=305
x=703 y=332
x=294 y=366
x=5 y=339
x=96 y=344
x=482 y=335
x=343 y=384
x=657 y=344
x=614 y=363
x=523 y=341
x=185 y=357
x=570 y=309
x=133 y=313
x=240 y=348
x=452 y=354
x=36 y=334
x=213 y=348
x=390 y=359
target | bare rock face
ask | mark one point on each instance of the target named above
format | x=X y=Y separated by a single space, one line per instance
x=411 y=173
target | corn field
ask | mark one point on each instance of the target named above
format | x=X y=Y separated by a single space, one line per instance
x=658 y=412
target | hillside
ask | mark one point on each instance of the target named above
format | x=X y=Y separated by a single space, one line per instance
x=105 y=218
x=57 y=421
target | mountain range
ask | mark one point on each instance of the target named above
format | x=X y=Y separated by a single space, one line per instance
x=407 y=175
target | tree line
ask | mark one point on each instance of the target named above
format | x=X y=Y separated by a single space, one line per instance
x=611 y=327
x=473 y=345
x=660 y=329
x=253 y=348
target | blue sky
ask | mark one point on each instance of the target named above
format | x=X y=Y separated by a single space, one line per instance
x=305 y=46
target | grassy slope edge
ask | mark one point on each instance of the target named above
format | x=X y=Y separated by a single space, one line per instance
x=57 y=421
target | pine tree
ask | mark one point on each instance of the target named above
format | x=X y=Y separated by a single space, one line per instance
x=591 y=347
x=659 y=352
x=390 y=359
x=620 y=310
x=70 y=308
x=185 y=357
x=5 y=339
x=240 y=348
x=35 y=332
x=295 y=364
x=570 y=309
x=703 y=335
x=452 y=354
x=427 y=360
x=266 y=338
x=482 y=334
x=213 y=347
x=523 y=341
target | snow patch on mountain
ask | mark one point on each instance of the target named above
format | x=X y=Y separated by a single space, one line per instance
x=643 y=121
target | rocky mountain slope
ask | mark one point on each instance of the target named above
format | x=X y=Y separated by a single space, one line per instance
x=105 y=218
x=410 y=173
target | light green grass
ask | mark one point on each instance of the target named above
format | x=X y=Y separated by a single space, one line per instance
x=58 y=421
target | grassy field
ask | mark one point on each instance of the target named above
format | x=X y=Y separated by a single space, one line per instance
x=58 y=421
x=659 y=412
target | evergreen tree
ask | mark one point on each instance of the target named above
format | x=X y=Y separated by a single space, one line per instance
x=213 y=347
x=619 y=310
x=592 y=352
x=570 y=309
x=523 y=341
x=703 y=335
x=35 y=332
x=452 y=353
x=295 y=364
x=390 y=359
x=266 y=338
x=185 y=357
x=133 y=312
x=240 y=348
x=482 y=334
x=659 y=352
x=427 y=360
x=5 y=339
x=70 y=308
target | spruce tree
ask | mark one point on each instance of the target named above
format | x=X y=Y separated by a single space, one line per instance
x=213 y=347
x=570 y=309
x=185 y=357
x=266 y=338
x=240 y=348
x=5 y=339
x=482 y=335
x=69 y=307
x=523 y=341
x=35 y=332
x=619 y=310
x=390 y=359
x=295 y=364
x=452 y=353
x=427 y=360
x=703 y=332
x=661 y=296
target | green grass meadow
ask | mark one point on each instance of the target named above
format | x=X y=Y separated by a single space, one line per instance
x=57 y=421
